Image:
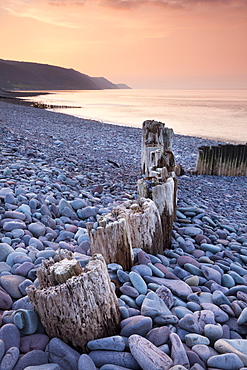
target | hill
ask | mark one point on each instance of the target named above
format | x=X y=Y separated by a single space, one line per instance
x=123 y=86
x=35 y=76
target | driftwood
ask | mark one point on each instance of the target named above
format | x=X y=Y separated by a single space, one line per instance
x=222 y=160
x=81 y=308
x=134 y=224
x=159 y=182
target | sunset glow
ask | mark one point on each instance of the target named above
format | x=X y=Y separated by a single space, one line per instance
x=167 y=44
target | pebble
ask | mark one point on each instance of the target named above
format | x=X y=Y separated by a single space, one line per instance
x=204 y=351
x=5 y=250
x=147 y=355
x=124 y=359
x=10 y=284
x=177 y=287
x=213 y=332
x=242 y=319
x=33 y=341
x=178 y=353
x=85 y=362
x=227 y=361
x=35 y=357
x=5 y=300
x=154 y=306
x=159 y=335
x=136 y=325
x=26 y=321
x=37 y=229
x=237 y=346
x=114 y=343
x=61 y=354
x=10 y=335
x=113 y=367
x=12 y=225
x=138 y=282
x=45 y=367
x=193 y=339
x=10 y=358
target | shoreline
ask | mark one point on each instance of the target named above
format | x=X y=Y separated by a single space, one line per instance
x=16 y=97
x=59 y=172
x=91 y=144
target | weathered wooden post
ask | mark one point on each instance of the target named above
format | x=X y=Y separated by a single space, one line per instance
x=156 y=146
x=144 y=226
x=133 y=224
x=75 y=304
x=159 y=182
x=111 y=240
x=222 y=160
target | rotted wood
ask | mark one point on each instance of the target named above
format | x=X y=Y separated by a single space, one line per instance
x=222 y=160
x=164 y=195
x=83 y=307
x=156 y=147
x=144 y=227
x=111 y=240
x=133 y=224
x=58 y=269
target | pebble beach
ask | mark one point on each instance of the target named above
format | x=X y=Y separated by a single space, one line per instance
x=185 y=309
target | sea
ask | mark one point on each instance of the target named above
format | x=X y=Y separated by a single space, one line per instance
x=213 y=114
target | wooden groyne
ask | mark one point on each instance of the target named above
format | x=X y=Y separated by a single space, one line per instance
x=222 y=160
x=144 y=223
x=159 y=182
x=50 y=106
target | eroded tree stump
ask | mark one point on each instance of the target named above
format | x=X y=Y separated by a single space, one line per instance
x=76 y=304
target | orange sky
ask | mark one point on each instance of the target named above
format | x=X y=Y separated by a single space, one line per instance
x=167 y=44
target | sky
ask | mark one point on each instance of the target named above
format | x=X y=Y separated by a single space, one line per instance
x=147 y=44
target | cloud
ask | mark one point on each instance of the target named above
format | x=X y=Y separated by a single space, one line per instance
x=35 y=10
x=168 y=3
x=66 y=2
x=172 y=3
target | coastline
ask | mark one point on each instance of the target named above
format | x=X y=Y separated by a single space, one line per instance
x=192 y=119
x=90 y=144
x=58 y=172
x=15 y=97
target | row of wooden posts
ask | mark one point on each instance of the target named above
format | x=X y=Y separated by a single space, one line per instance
x=222 y=160
x=144 y=223
x=79 y=304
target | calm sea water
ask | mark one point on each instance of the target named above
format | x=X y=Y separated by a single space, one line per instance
x=212 y=114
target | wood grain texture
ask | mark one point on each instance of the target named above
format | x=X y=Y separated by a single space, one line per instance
x=83 y=308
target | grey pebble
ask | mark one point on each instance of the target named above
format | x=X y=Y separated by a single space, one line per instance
x=148 y=356
x=124 y=359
